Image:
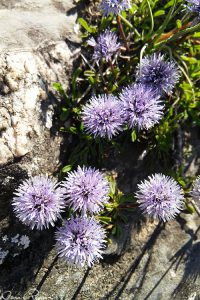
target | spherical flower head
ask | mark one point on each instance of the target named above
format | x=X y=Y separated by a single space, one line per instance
x=114 y=6
x=38 y=202
x=160 y=197
x=157 y=73
x=106 y=46
x=81 y=241
x=141 y=106
x=86 y=190
x=195 y=193
x=194 y=7
x=102 y=116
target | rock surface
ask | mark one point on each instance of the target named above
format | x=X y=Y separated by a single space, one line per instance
x=27 y=74
x=36 y=50
x=160 y=261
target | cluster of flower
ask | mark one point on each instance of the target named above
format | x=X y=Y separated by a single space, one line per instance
x=138 y=105
x=117 y=6
x=39 y=202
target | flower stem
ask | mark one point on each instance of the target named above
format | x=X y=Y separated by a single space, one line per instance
x=128 y=206
x=195 y=207
x=166 y=21
x=111 y=66
x=130 y=25
x=122 y=34
x=152 y=20
x=180 y=34
x=172 y=32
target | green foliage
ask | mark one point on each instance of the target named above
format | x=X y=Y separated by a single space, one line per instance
x=151 y=26
x=116 y=210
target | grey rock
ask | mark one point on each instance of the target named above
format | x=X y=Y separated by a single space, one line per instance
x=33 y=55
x=160 y=261
x=37 y=57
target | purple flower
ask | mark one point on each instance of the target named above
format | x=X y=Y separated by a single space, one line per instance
x=141 y=106
x=195 y=193
x=114 y=6
x=38 y=202
x=106 y=45
x=81 y=241
x=157 y=73
x=86 y=190
x=194 y=7
x=102 y=116
x=160 y=197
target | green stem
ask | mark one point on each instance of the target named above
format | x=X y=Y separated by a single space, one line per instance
x=152 y=20
x=179 y=9
x=130 y=25
x=195 y=206
x=179 y=35
x=186 y=75
x=167 y=19
x=169 y=51
x=141 y=53
x=111 y=66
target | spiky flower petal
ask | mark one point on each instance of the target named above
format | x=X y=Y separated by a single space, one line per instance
x=102 y=116
x=114 y=6
x=38 y=202
x=105 y=46
x=81 y=241
x=157 y=73
x=195 y=193
x=160 y=197
x=141 y=105
x=86 y=190
x=194 y=7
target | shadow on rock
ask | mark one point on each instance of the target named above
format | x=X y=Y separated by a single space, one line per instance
x=118 y=289
x=189 y=283
x=10 y=178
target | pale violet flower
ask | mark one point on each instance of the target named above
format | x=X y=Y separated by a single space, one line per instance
x=157 y=73
x=102 y=116
x=160 y=197
x=86 y=190
x=38 y=202
x=114 y=6
x=105 y=47
x=81 y=241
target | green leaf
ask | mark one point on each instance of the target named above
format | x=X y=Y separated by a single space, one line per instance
x=169 y=4
x=133 y=136
x=74 y=82
x=91 y=80
x=196 y=35
x=178 y=24
x=105 y=220
x=86 y=26
x=67 y=168
x=59 y=88
x=158 y=13
x=191 y=60
x=64 y=114
x=89 y=73
x=190 y=208
x=73 y=130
